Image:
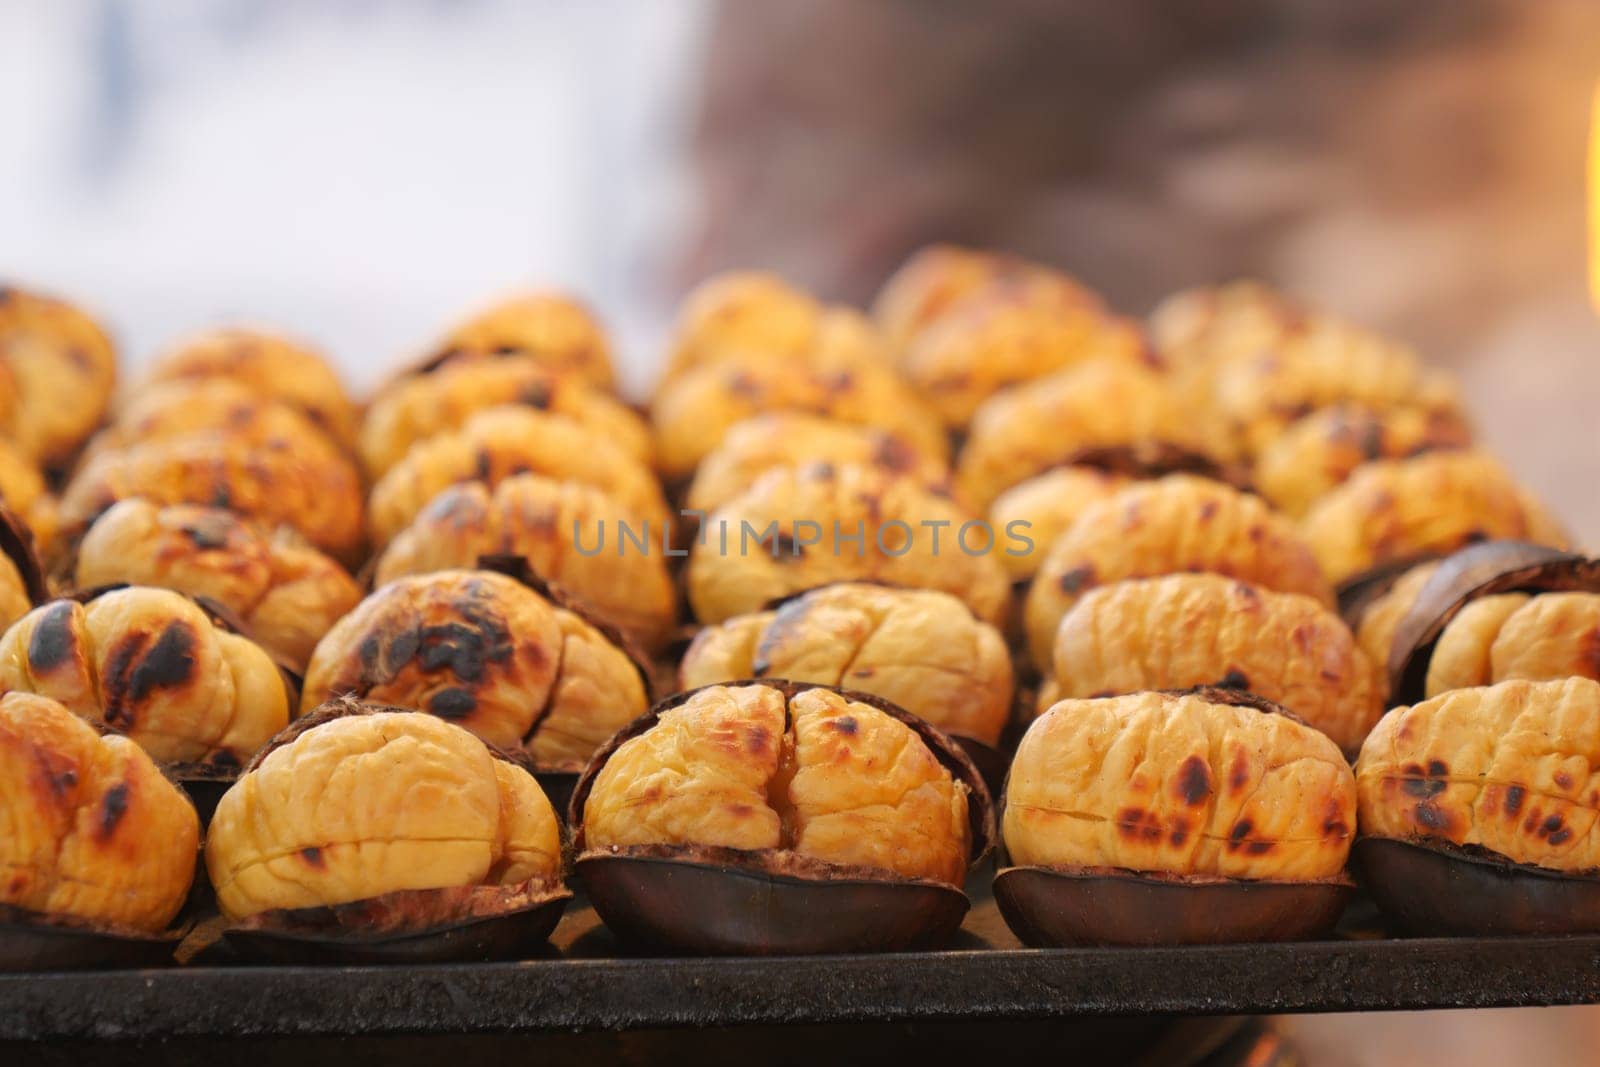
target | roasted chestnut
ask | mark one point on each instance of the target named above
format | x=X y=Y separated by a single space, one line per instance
x=1315 y=455
x=1206 y=327
x=694 y=411
x=1052 y=422
x=151 y=664
x=270 y=365
x=791 y=438
x=1008 y=332
x=1049 y=504
x=919 y=649
x=285 y=592
x=484 y=651
x=552 y=328
x=1377 y=614
x=99 y=849
x=1325 y=363
x=1203 y=629
x=1180 y=523
x=437 y=399
x=1493 y=612
x=22 y=578
x=787 y=533
x=748 y=318
x=24 y=493
x=1399 y=510
x=275 y=486
x=571 y=535
x=1175 y=818
x=1477 y=809
x=500 y=443
x=779 y=818
x=372 y=834
x=937 y=278
x=57 y=371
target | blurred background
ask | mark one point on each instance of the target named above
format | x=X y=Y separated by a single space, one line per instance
x=360 y=172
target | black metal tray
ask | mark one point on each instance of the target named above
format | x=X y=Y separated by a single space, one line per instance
x=584 y=983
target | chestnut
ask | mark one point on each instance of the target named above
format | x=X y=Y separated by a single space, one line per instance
x=1203 y=328
x=270 y=365
x=435 y=399
x=1186 y=630
x=365 y=833
x=99 y=849
x=499 y=443
x=774 y=817
x=1493 y=612
x=1050 y=503
x=57 y=373
x=694 y=411
x=919 y=649
x=1051 y=422
x=22 y=579
x=25 y=495
x=1008 y=332
x=552 y=328
x=1163 y=818
x=569 y=534
x=792 y=438
x=1477 y=807
x=1405 y=509
x=483 y=650
x=1180 y=523
x=1315 y=455
x=285 y=592
x=745 y=318
x=757 y=548
x=939 y=277
x=171 y=673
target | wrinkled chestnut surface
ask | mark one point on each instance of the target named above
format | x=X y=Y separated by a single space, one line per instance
x=1476 y=572
x=714 y=898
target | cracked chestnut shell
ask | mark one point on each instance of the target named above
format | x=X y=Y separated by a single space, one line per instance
x=1175 y=818
x=369 y=833
x=440 y=398
x=1493 y=612
x=285 y=592
x=1186 y=630
x=1177 y=524
x=569 y=534
x=1405 y=509
x=792 y=438
x=552 y=328
x=500 y=443
x=1052 y=422
x=1318 y=453
x=486 y=652
x=269 y=365
x=1477 y=809
x=694 y=411
x=919 y=649
x=748 y=573
x=775 y=817
x=57 y=372
x=99 y=849
x=154 y=665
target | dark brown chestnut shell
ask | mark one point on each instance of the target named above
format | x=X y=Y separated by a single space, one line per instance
x=1479 y=570
x=1058 y=907
x=704 y=900
x=411 y=926
x=16 y=543
x=1434 y=888
x=31 y=941
x=1049 y=907
x=1356 y=594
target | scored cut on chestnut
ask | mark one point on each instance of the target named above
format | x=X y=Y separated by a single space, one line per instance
x=1466 y=606
x=1475 y=807
x=1208 y=816
x=453 y=853
x=100 y=849
x=768 y=817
